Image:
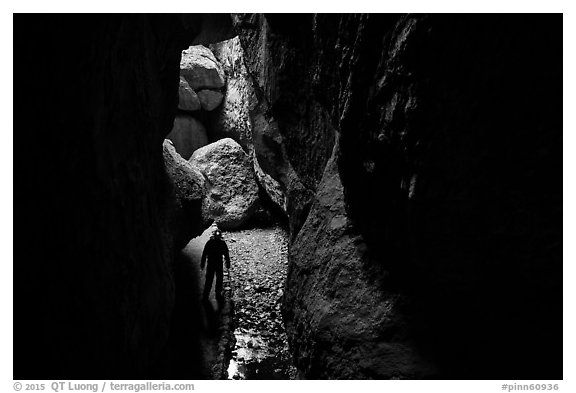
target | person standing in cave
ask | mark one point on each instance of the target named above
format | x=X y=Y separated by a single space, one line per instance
x=214 y=250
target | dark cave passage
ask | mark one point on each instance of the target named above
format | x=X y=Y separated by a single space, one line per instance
x=389 y=188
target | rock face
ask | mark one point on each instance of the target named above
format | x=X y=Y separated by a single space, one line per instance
x=349 y=328
x=232 y=190
x=209 y=99
x=187 y=135
x=190 y=191
x=94 y=296
x=187 y=98
x=234 y=119
x=287 y=109
x=431 y=241
x=201 y=69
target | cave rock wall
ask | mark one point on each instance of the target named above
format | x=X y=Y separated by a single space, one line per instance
x=431 y=239
x=94 y=295
x=288 y=105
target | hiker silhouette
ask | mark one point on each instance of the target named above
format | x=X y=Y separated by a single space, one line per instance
x=214 y=250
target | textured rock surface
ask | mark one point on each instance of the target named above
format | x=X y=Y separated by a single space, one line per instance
x=232 y=119
x=440 y=179
x=235 y=118
x=209 y=99
x=201 y=69
x=94 y=296
x=351 y=328
x=448 y=248
x=272 y=188
x=288 y=108
x=190 y=190
x=187 y=98
x=232 y=189
x=187 y=135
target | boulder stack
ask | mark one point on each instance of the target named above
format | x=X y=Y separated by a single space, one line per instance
x=202 y=80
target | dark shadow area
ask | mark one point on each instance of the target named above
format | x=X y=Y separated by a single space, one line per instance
x=96 y=285
x=191 y=327
x=211 y=311
x=463 y=206
x=97 y=291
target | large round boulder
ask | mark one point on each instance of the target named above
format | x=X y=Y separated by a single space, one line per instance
x=232 y=189
x=201 y=69
x=187 y=135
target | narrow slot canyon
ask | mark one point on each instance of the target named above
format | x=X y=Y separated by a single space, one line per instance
x=369 y=196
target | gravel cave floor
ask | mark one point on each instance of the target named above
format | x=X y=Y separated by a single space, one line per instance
x=259 y=348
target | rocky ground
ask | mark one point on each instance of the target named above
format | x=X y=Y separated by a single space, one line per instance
x=247 y=331
x=258 y=272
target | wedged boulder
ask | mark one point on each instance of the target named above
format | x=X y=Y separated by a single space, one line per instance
x=271 y=187
x=187 y=98
x=187 y=135
x=190 y=190
x=201 y=69
x=209 y=99
x=232 y=189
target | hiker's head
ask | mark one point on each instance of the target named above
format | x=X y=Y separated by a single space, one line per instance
x=217 y=234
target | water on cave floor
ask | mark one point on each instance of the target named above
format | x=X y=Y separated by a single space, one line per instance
x=259 y=264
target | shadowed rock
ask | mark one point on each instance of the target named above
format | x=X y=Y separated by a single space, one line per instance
x=448 y=239
x=188 y=180
x=209 y=99
x=350 y=318
x=187 y=135
x=187 y=98
x=190 y=190
x=95 y=297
